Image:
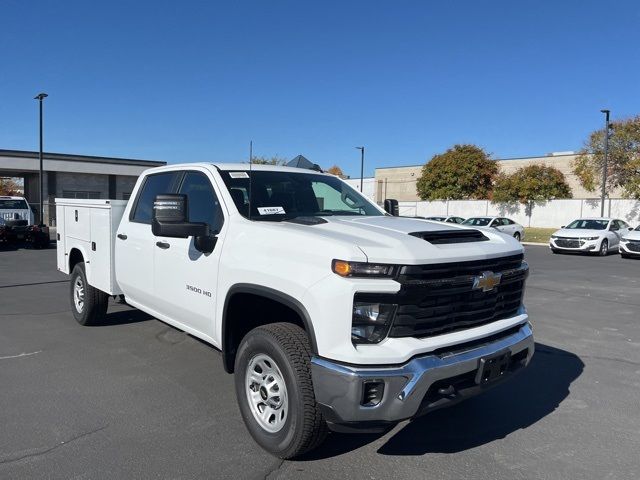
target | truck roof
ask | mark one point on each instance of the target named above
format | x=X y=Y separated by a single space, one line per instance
x=239 y=167
x=7 y=197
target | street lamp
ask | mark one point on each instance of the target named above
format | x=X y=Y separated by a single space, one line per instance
x=361 y=165
x=606 y=159
x=40 y=97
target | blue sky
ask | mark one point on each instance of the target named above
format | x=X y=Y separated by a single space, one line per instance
x=193 y=81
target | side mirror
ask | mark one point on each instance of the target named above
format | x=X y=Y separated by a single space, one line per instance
x=563 y=226
x=391 y=207
x=171 y=218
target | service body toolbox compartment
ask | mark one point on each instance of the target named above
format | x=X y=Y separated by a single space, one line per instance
x=90 y=227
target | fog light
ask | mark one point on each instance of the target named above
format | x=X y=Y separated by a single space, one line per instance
x=372 y=393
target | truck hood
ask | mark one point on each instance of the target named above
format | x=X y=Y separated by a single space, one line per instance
x=579 y=232
x=387 y=239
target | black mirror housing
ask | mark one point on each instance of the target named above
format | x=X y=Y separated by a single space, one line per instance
x=391 y=207
x=171 y=218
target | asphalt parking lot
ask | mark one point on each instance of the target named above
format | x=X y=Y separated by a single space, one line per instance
x=138 y=399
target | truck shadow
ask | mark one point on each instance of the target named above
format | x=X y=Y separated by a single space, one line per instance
x=124 y=317
x=524 y=400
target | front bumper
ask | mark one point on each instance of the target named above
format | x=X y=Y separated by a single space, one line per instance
x=625 y=248
x=422 y=384
x=584 y=246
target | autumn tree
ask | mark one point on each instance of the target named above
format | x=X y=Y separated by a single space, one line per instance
x=8 y=186
x=533 y=183
x=462 y=172
x=623 y=165
x=337 y=171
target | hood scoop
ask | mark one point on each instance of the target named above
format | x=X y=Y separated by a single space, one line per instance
x=444 y=237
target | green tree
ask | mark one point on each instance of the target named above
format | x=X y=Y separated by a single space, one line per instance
x=275 y=160
x=623 y=166
x=533 y=183
x=463 y=171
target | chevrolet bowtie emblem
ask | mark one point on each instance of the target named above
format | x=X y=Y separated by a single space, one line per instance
x=487 y=281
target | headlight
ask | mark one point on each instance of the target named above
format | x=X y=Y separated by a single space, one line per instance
x=554 y=236
x=371 y=321
x=590 y=238
x=362 y=269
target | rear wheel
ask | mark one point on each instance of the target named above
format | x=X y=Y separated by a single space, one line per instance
x=275 y=392
x=88 y=304
x=604 y=248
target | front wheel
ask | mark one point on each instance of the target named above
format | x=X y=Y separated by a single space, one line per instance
x=604 y=248
x=517 y=236
x=275 y=392
x=88 y=304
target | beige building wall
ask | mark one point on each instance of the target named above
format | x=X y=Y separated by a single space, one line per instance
x=400 y=182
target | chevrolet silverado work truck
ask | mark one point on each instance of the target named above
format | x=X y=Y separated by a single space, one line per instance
x=331 y=313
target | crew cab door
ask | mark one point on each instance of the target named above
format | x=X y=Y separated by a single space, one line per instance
x=135 y=243
x=185 y=279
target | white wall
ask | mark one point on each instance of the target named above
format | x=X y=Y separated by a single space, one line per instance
x=368 y=186
x=551 y=214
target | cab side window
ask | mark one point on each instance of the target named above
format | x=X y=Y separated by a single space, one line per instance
x=204 y=205
x=155 y=184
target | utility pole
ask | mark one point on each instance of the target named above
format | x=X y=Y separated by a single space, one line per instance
x=361 y=166
x=606 y=160
x=40 y=97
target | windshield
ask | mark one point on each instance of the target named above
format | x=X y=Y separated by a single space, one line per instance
x=9 y=204
x=477 y=222
x=588 y=225
x=280 y=195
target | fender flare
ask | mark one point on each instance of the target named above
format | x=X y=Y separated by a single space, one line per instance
x=271 y=294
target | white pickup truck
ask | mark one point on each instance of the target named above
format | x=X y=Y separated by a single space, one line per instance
x=333 y=314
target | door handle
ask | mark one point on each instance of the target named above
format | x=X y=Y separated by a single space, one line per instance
x=122 y=236
x=163 y=245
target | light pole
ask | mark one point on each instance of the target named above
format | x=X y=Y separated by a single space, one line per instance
x=606 y=159
x=40 y=97
x=361 y=166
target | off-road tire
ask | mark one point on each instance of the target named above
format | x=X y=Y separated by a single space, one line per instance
x=305 y=427
x=94 y=305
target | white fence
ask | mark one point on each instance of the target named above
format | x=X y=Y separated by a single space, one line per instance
x=551 y=214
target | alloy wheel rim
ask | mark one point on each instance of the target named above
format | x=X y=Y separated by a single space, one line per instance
x=78 y=294
x=603 y=248
x=266 y=393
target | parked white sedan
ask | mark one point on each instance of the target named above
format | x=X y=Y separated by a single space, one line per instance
x=505 y=225
x=630 y=244
x=590 y=235
x=445 y=218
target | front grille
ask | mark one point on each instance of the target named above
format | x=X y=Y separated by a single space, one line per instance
x=634 y=246
x=438 y=299
x=568 y=242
